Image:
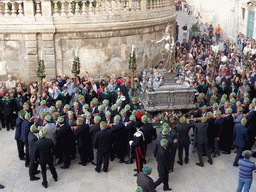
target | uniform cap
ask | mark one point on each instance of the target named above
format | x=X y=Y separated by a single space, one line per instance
x=210 y=114
x=132 y=118
x=42 y=133
x=146 y=169
x=113 y=107
x=119 y=102
x=117 y=117
x=103 y=125
x=27 y=116
x=60 y=119
x=48 y=118
x=52 y=108
x=33 y=128
x=67 y=106
x=59 y=102
x=43 y=102
x=108 y=113
x=164 y=142
x=100 y=108
x=105 y=101
x=144 y=118
x=244 y=121
x=22 y=112
x=97 y=118
x=80 y=119
x=203 y=119
x=86 y=106
x=182 y=119
x=56 y=114
x=25 y=104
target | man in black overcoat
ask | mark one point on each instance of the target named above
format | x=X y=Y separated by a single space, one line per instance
x=20 y=144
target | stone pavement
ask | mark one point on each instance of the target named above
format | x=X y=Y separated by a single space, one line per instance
x=219 y=177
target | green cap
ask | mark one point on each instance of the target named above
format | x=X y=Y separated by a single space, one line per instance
x=71 y=112
x=86 y=106
x=119 y=102
x=232 y=100
x=25 y=104
x=225 y=96
x=76 y=103
x=44 y=113
x=238 y=103
x=76 y=89
x=233 y=94
x=67 y=106
x=144 y=118
x=80 y=97
x=210 y=114
x=117 y=117
x=80 y=119
x=93 y=102
x=113 y=107
x=164 y=142
x=254 y=99
x=202 y=95
x=247 y=100
x=33 y=128
x=196 y=105
x=203 y=119
x=103 y=125
x=86 y=113
x=97 y=118
x=182 y=119
x=212 y=102
x=138 y=189
x=215 y=89
x=48 y=118
x=165 y=132
x=252 y=105
x=132 y=118
x=59 y=102
x=27 y=116
x=246 y=94
x=56 y=114
x=134 y=112
x=105 y=101
x=60 y=119
x=108 y=113
x=215 y=105
x=227 y=102
x=43 y=102
x=240 y=109
x=52 y=108
x=42 y=133
x=22 y=112
x=244 y=121
x=134 y=99
x=165 y=125
x=230 y=110
x=127 y=107
x=214 y=97
x=123 y=111
x=218 y=112
x=146 y=169
x=205 y=107
x=100 y=108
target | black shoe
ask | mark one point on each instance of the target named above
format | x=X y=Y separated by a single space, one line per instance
x=215 y=155
x=27 y=166
x=45 y=185
x=167 y=189
x=112 y=158
x=235 y=151
x=97 y=170
x=93 y=163
x=1 y=186
x=144 y=162
x=60 y=161
x=225 y=152
x=186 y=161
x=121 y=161
x=55 y=179
x=34 y=178
x=37 y=172
x=199 y=164
x=129 y=162
x=210 y=161
x=22 y=159
x=135 y=175
x=65 y=167
x=235 y=165
x=105 y=171
x=8 y=129
x=135 y=170
x=180 y=163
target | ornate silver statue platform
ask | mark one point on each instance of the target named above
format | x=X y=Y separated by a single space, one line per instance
x=163 y=91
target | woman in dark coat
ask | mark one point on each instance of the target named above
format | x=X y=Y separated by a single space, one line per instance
x=203 y=87
x=64 y=97
x=90 y=94
x=105 y=94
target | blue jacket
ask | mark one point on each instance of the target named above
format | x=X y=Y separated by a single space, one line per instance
x=18 y=128
x=240 y=135
x=25 y=128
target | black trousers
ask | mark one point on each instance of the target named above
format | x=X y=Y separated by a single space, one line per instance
x=200 y=148
x=32 y=169
x=163 y=178
x=27 y=154
x=2 y=119
x=180 y=148
x=139 y=160
x=65 y=154
x=52 y=169
x=82 y=153
x=20 y=147
x=102 y=157
x=8 y=120
x=173 y=154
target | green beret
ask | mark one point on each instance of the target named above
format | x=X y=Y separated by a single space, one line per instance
x=43 y=102
x=165 y=125
x=100 y=108
x=67 y=106
x=233 y=94
x=182 y=119
x=205 y=107
x=71 y=112
x=223 y=100
x=215 y=89
x=25 y=104
x=113 y=107
x=60 y=119
x=59 y=102
x=117 y=117
x=227 y=102
x=240 y=109
x=44 y=113
x=27 y=116
x=232 y=100
x=215 y=105
x=225 y=96
x=146 y=169
x=119 y=102
x=127 y=107
x=238 y=103
x=86 y=106
x=22 y=112
x=132 y=118
x=214 y=97
x=210 y=114
x=33 y=128
x=95 y=99
x=200 y=97
x=80 y=119
x=103 y=125
x=138 y=189
x=144 y=118
x=80 y=97
x=42 y=133
x=254 y=99
x=105 y=101
x=123 y=111
x=52 y=108
x=76 y=89
x=56 y=114
x=48 y=118
x=247 y=100
x=93 y=102
x=218 y=112
x=230 y=110
x=252 y=105
x=164 y=142
x=244 y=121
x=76 y=103
x=165 y=132
x=97 y=118
x=246 y=94
x=196 y=105
x=108 y=113
x=203 y=119
x=134 y=99
x=134 y=112
x=212 y=102
x=87 y=113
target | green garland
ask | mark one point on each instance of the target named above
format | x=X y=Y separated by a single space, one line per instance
x=40 y=69
x=76 y=66
x=132 y=61
x=215 y=61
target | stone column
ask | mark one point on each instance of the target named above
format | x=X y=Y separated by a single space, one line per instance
x=29 y=8
x=47 y=7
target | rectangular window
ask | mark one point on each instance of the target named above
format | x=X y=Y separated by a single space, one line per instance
x=243 y=13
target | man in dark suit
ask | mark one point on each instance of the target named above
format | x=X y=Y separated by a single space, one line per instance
x=210 y=130
x=108 y=118
x=134 y=105
x=59 y=108
x=183 y=140
x=202 y=141
x=124 y=116
x=251 y=121
x=32 y=138
x=20 y=144
x=43 y=151
x=92 y=132
x=163 y=159
x=106 y=106
x=240 y=137
x=145 y=181
x=102 y=145
x=76 y=110
x=218 y=126
x=71 y=120
x=25 y=128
